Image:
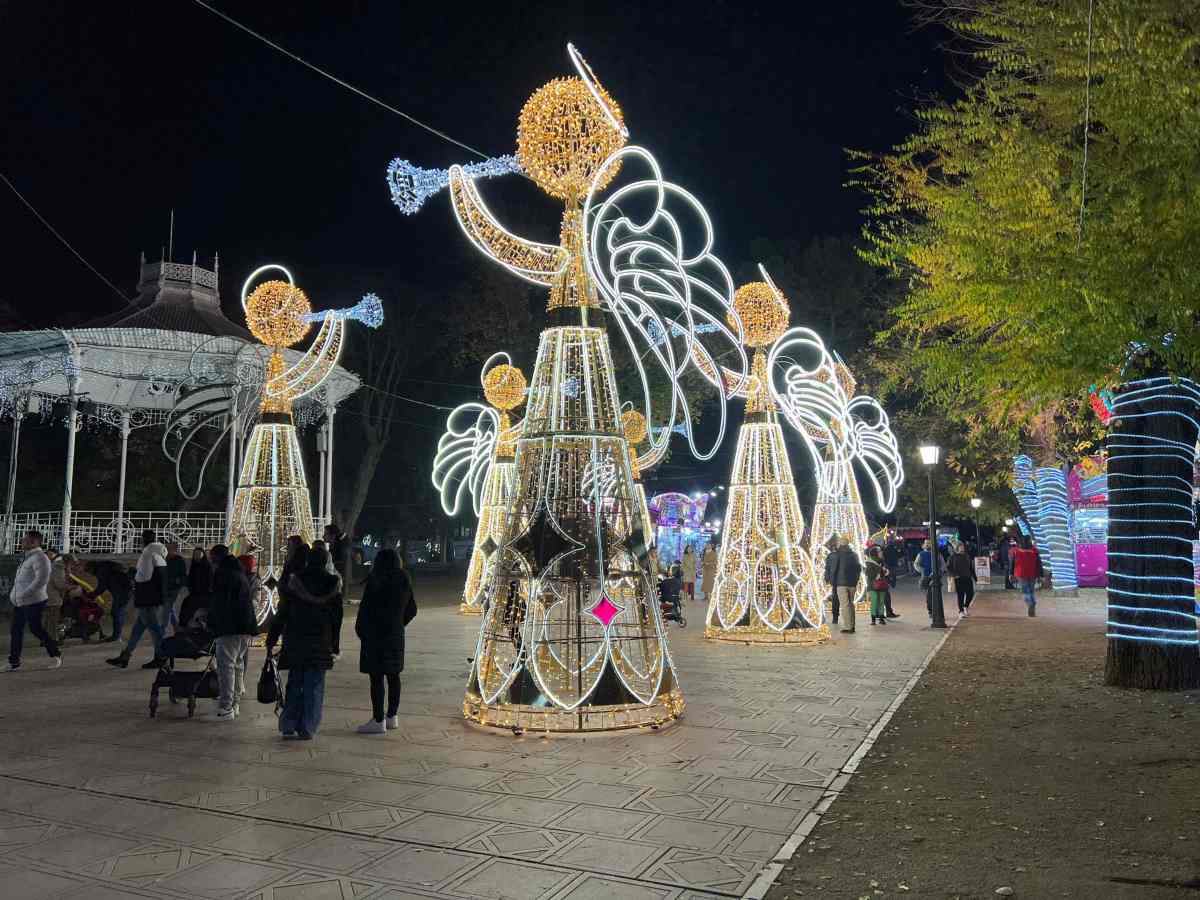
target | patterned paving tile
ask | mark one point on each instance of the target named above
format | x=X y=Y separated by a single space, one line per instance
x=453 y=801
x=315 y=886
x=150 y=863
x=221 y=877
x=600 y=887
x=694 y=869
x=438 y=829
x=420 y=866
x=599 y=820
x=263 y=839
x=365 y=818
x=610 y=855
x=616 y=795
x=508 y=880
x=523 y=810
x=336 y=853
x=690 y=833
x=676 y=803
x=520 y=842
x=528 y=785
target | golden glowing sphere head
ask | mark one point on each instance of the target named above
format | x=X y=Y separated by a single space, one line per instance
x=634 y=425
x=273 y=313
x=764 y=312
x=504 y=386
x=564 y=135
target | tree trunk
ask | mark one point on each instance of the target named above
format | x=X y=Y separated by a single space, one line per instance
x=1152 y=639
x=364 y=474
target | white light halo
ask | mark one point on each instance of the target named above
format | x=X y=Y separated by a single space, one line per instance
x=490 y=363
x=253 y=275
x=588 y=77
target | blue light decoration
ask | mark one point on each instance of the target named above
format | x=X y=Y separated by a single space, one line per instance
x=1054 y=516
x=1024 y=485
x=1151 y=535
x=411 y=185
x=655 y=331
x=368 y=310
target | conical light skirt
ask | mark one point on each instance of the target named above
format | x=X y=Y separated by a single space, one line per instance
x=271 y=502
x=498 y=491
x=765 y=590
x=572 y=638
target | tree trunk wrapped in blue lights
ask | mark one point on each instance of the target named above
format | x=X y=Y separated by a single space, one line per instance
x=1054 y=520
x=1152 y=638
x=1024 y=485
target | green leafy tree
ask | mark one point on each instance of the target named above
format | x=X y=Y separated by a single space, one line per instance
x=1045 y=222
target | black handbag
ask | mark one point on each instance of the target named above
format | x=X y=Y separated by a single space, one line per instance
x=268 y=682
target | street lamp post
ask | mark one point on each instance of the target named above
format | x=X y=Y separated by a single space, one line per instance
x=975 y=504
x=929 y=456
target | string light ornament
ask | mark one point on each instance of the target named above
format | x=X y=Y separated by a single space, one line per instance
x=476 y=455
x=272 y=500
x=814 y=391
x=633 y=424
x=764 y=591
x=572 y=638
x=412 y=185
x=1054 y=516
x=1151 y=447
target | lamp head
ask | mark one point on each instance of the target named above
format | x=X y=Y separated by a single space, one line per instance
x=976 y=503
x=930 y=454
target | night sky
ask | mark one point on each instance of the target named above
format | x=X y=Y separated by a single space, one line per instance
x=116 y=113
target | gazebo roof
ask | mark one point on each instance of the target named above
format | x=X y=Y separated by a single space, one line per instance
x=175 y=297
x=135 y=358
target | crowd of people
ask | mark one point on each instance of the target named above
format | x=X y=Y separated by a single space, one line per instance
x=211 y=601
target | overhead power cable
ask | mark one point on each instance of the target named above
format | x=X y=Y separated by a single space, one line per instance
x=54 y=231
x=336 y=80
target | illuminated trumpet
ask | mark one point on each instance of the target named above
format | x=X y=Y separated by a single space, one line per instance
x=411 y=185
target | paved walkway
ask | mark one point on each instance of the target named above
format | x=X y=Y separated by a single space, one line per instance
x=98 y=801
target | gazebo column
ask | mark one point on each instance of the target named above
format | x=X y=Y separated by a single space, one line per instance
x=120 y=543
x=234 y=459
x=72 y=423
x=330 y=409
x=322 y=444
x=10 y=499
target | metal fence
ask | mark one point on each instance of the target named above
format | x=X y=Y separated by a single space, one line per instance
x=101 y=531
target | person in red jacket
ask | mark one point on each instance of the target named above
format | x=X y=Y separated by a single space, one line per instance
x=1025 y=565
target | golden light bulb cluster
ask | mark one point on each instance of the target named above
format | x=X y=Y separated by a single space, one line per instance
x=563 y=137
x=504 y=386
x=274 y=311
x=764 y=313
x=634 y=425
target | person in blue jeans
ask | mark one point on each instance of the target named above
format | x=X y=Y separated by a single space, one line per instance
x=309 y=620
x=28 y=598
x=149 y=594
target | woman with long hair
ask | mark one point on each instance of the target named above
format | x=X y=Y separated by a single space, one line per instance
x=309 y=619
x=387 y=607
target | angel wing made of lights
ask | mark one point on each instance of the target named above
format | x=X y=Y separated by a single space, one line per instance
x=669 y=295
x=836 y=429
x=464 y=455
x=215 y=380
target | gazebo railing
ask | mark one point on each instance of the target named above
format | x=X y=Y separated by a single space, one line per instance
x=100 y=531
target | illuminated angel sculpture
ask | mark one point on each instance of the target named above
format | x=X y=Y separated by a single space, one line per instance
x=572 y=638
x=271 y=501
x=815 y=392
x=476 y=455
x=764 y=591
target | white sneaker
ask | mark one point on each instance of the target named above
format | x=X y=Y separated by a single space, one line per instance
x=222 y=715
x=237 y=710
x=392 y=723
x=55 y=663
x=11 y=668
x=371 y=727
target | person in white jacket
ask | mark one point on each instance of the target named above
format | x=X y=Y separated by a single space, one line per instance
x=28 y=598
x=149 y=595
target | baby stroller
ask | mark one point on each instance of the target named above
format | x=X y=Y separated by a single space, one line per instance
x=81 y=617
x=668 y=599
x=190 y=683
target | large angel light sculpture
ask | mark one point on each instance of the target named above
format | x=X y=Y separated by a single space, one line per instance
x=572 y=638
x=764 y=590
x=476 y=456
x=271 y=501
x=815 y=393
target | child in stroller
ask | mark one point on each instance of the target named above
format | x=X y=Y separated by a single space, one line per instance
x=668 y=597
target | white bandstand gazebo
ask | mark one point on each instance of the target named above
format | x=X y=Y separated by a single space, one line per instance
x=124 y=372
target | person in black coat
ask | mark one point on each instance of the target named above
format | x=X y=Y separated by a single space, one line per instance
x=387 y=607
x=309 y=619
x=232 y=622
x=200 y=586
x=844 y=573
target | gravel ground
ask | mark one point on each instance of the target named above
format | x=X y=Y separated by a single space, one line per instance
x=1011 y=770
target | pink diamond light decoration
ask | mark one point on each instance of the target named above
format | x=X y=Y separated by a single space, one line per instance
x=605 y=610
